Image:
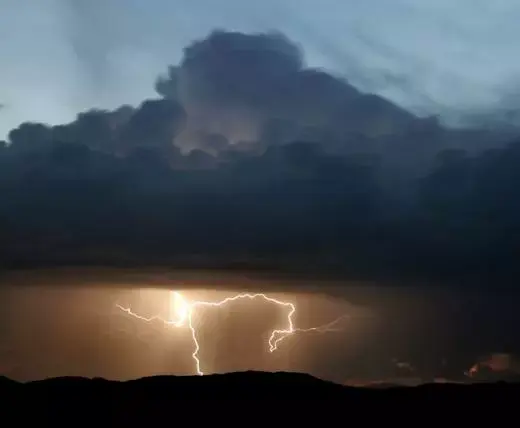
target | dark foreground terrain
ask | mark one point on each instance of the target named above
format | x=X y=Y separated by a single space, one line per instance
x=244 y=398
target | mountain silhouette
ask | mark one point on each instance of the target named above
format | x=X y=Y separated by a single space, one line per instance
x=275 y=397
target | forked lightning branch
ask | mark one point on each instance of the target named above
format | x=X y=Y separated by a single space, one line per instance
x=183 y=312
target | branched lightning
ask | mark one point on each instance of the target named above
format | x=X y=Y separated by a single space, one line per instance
x=184 y=311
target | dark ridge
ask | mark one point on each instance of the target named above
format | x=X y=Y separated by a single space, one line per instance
x=253 y=385
x=5 y=382
x=273 y=396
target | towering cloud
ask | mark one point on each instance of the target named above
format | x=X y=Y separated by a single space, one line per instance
x=238 y=84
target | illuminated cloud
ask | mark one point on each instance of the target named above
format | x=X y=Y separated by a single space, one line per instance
x=495 y=364
x=182 y=313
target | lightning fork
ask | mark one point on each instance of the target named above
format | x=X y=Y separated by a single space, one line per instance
x=184 y=311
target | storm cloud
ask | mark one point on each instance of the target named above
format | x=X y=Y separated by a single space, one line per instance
x=329 y=177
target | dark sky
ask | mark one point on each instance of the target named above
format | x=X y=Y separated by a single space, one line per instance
x=247 y=158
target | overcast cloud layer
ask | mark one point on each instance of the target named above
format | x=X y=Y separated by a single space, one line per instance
x=435 y=56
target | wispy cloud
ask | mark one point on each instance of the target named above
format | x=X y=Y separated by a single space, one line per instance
x=435 y=56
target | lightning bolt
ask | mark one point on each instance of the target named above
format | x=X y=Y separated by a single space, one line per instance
x=184 y=311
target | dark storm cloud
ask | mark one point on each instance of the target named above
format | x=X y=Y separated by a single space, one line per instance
x=153 y=125
x=250 y=80
x=330 y=178
x=234 y=68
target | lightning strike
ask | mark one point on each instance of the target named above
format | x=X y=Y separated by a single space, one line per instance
x=183 y=311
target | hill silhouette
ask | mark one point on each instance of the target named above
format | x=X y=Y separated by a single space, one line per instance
x=158 y=399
